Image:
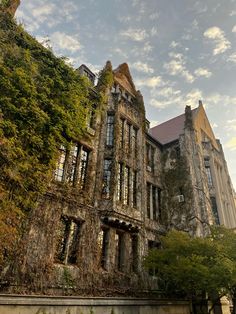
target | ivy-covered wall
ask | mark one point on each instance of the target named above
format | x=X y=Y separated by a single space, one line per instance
x=43 y=104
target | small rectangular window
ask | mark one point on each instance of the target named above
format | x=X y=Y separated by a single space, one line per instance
x=68 y=240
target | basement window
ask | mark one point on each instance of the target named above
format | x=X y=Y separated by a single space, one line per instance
x=68 y=240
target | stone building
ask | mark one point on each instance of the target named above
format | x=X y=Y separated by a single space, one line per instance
x=120 y=187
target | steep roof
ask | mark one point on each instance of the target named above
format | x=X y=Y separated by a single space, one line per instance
x=123 y=77
x=170 y=130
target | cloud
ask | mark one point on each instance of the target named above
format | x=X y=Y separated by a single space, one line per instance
x=158 y=104
x=153 y=31
x=43 y=11
x=231 y=144
x=203 y=72
x=232 y=13
x=232 y=58
x=192 y=98
x=134 y=34
x=154 y=16
x=234 y=29
x=177 y=67
x=64 y=41
x=142 y=67
x=217 y=35
x=151 y=82
x=231 y=125
x=174 y=44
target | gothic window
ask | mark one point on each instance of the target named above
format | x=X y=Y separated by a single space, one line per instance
x=153 y=245
x=134 y=188
x=148 y=200
x=120 y=182
x=122 y=130
x=215 y=210
x=129 y=128
x=153 y=202
x=208 y=171
x=134 y=253
x=92 y=117
x=119 y=256
x=126 y=185
x=103 y=242
x=106 y=190
x=68 y=240
x=150 y=152
x=59 y=172
x=110 y=130
x=83 y=168
x=135 y=140
x=72 y=165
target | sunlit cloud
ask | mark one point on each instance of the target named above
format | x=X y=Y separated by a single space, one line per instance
x=150 y=82
x=177 y=67
x=203 y=72
x=231 y=144
x=231 y=125
x=234 y=29
x=142 y=67
x=217 y=36
x=134 y=34
x=232 y=58
x=64 y=41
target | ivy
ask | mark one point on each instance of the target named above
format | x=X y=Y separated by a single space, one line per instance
x=43 y=104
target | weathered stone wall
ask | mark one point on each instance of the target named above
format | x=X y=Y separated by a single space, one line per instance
x=43 y=305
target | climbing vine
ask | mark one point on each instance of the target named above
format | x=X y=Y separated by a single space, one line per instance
x=177 y=191
x=43 y=104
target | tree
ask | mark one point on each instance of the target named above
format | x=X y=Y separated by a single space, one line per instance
x=191 y=267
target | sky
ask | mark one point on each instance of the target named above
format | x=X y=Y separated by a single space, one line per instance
x=178 y=51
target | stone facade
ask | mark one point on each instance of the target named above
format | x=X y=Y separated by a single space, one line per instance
x=120 y=187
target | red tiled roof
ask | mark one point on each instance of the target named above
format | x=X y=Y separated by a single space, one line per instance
x=170 y=130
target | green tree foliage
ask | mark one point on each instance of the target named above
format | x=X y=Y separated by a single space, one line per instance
x=43 y=104
x=187 y=266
